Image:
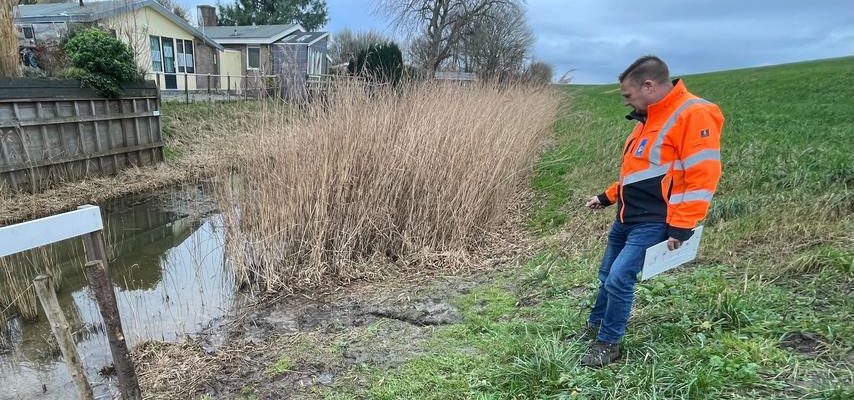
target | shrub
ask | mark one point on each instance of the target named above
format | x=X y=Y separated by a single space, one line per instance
x=382 y=63
x=102 y=62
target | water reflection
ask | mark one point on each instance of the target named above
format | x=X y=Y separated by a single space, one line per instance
x=171 y=278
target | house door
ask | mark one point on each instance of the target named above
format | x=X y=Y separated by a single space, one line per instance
x=171 y=81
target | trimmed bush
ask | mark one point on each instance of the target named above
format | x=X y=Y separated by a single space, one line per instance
x=101 y=61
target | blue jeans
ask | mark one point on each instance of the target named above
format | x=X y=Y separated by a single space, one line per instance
x=623 y=260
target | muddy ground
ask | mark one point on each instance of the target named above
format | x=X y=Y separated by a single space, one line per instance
x=297 y=347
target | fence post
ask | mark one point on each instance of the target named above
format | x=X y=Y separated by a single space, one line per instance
x=228 y=88
x=97 y=272
x=210 y=99
x=186 y=88
x=62 y=332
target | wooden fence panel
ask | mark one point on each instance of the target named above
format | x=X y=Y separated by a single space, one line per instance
x=54 y=130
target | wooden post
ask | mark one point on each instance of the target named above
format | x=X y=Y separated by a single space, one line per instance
x=62 y=333
x=97 y=272
x=186 y=88
x=228 y=88
x=210 y=99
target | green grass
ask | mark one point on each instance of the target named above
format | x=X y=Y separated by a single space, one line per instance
x=187 y=126
x=281 y=366
x=777 y=259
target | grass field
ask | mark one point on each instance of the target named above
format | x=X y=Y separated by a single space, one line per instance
x=766 y=312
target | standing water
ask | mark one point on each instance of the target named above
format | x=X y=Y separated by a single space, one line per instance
x=171 y=280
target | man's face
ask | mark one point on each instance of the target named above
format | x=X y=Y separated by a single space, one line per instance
x=638 y=96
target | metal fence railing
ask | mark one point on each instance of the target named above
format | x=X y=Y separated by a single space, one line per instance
x=191 y=87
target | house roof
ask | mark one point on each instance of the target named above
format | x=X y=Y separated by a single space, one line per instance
x=254 y=34
x=98 y=10
x=307 y=38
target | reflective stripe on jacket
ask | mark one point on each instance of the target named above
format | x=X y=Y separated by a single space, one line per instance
x=671 y=164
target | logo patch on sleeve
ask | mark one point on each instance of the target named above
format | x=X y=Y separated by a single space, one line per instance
x=704 y=133
x=640 y=148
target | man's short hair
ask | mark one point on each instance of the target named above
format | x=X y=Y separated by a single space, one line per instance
x=646 y=68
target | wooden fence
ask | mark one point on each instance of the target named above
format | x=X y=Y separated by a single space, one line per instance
x=54 y=130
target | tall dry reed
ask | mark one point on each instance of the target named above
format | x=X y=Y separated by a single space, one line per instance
x=365 y=177
x=9 y=65
x=16 y=276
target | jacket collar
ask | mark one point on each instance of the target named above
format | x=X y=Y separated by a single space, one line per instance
x=634 y=115
x=672 y=99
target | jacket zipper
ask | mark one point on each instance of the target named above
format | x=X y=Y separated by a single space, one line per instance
x=631 y=145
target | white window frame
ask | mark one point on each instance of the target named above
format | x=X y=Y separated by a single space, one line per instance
x=159 y=52
x=248 y=67
x=183 y=54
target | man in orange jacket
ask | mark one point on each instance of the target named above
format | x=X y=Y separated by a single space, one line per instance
x=671 y=165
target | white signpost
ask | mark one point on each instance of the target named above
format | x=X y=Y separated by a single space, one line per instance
x=44 y=231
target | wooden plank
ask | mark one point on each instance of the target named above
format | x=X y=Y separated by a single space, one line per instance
x=6 y=155
x=98 y=274
x=98 y=147
x=43 y=128
x=110 y=143
x=80 y=138
x=43 y=231
x=136 y=132
x=74 y=119
x=15 y=89
x=82 y=157
x=46 y=293
x=29 y=159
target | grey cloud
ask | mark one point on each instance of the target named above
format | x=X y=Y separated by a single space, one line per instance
x=598 y=38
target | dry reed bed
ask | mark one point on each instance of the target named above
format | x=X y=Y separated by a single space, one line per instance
x=365 y=179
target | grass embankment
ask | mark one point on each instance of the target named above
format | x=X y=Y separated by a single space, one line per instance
x=766 y=312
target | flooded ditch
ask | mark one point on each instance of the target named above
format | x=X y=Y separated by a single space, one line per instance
x=172 y=281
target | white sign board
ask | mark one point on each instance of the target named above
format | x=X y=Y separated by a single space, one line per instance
x=40 y=232
x=659 y=259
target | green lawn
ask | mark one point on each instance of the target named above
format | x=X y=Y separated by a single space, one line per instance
x=777 y=263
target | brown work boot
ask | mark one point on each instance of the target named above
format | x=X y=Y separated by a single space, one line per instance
x=586 y=334
x=600 y=354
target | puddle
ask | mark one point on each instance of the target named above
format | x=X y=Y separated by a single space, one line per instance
x=172 y=281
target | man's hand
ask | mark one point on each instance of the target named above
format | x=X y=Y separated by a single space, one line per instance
x=594 y=203
x=673 y=244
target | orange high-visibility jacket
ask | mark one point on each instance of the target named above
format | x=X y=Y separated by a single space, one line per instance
x=671 y=164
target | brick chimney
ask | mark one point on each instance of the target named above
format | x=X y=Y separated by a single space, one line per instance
x=208 y=15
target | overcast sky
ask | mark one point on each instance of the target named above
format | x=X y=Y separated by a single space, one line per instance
x=598 y=38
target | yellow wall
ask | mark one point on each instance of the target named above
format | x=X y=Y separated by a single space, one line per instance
x=135 y=28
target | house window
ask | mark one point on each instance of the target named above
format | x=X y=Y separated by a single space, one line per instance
x=156 y=56
x=253 y=57
x=315 y=62
x=184 y=48
x=179 y=48
x=28 y=32
x=189 y=60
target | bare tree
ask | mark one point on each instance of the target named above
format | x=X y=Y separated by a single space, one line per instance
x=442 y=23
x=539 y=72
x=345 y=44
x=496 y=47
x=177 y=9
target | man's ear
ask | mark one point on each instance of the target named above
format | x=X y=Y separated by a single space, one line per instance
x=648 y=85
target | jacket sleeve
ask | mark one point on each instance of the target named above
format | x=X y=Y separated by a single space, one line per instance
x=609 y=196
x=699 y=159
